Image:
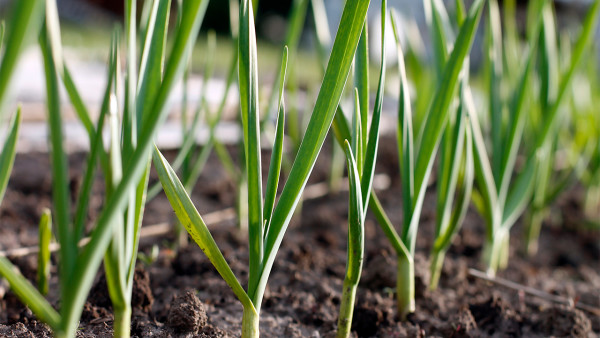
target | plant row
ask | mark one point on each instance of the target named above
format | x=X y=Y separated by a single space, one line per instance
x=508 y=139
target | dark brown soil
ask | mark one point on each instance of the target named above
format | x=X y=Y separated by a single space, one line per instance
x=181 y=294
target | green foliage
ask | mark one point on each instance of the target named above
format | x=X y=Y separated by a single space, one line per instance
x=264 y=242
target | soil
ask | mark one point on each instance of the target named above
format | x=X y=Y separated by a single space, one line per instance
x=180 y=294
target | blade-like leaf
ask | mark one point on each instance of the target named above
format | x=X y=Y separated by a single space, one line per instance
x=60 y=183
x=496 y=108
x=368 y=169
x=26 y=21
x=515 y=127
x=588 y=27
x=361 y=83
x=191 y=219
x=321 y=30
x=449 y=169
x=29 y=295
x=115 y=265
x=96 y=148
x=405 y=134
x=356 y=142
x=518 y=197
x=441 y=34
x=277 y=152
x=291 y=40
x=487 y=190
x=7 y=158
x=248 y=85
x=356 y=234
x=153 y=55
x=464 y=189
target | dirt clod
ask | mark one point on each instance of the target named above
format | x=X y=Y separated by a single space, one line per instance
x=187 y=313
x=461 y=324
x=142 y=291
x=366 y=321
x=494 y=315
x=563 y=321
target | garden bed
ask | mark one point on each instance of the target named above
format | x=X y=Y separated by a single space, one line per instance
x=181 y=294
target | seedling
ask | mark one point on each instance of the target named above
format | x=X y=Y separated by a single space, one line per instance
x=267 y=224
x=497 y=200
x=455 y=171
x=415 y=172
x=118 y=224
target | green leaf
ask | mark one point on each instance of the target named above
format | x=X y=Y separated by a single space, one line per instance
x=461 y=12
x=193 y=223
x=277 y=152
x=405 y=134
x=78 y=104
x=356 y=142
x=153 y=56
x=361 y=83
x=60 y=170
x=464 y=186
x=588 y=27
x=130 y=122
x=441 y=34
x=96 y=151
x=519 y=196
x=515 y=126
x=291 y=40
x=321 y=30
x=29 y=295
x=450 y=163
x=115 y=265
x=9 y=150
x=368 y=170
x=486 y=199
x=26 y=21
x=356 y=235
x=248 y=85
x=496 y=107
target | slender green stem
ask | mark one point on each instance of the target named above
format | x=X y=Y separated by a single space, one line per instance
x=250 y=323
x=122 y=323
x=437 y=262
x=45 y=236
x=405 y=286
x=533 y=231
x=493 y=251
x=504 y=251
x=346 y=309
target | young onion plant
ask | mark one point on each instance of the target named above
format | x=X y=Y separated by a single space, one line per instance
x=415 y=166
x=417 y=152
x=268 y=220
x=550 y=181
x=499 y=198
x=125 y=165
x=455 y=171
x=361 y=170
